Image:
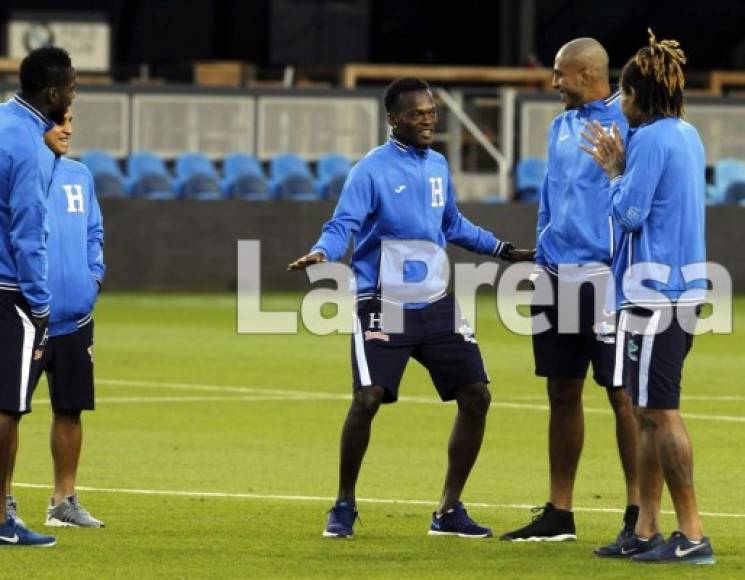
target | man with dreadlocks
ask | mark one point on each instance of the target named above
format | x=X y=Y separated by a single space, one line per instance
x=657 y=189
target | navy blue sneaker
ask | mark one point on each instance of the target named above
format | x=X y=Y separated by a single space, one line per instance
x=678 y=549
x=341 y=520
x=455 y=522
x=13 y=534
x=629 y=545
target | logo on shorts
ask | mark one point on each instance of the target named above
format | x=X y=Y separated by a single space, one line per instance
x=90 y=352
x=376 y=335
x=38 y=353
x=632 y=351
x=467 y=333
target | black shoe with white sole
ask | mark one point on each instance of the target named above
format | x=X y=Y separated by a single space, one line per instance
x=548 y=525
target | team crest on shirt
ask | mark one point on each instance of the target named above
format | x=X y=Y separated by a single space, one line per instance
x=438 y=194
x=632 y=350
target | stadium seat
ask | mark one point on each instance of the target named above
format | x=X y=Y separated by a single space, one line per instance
x=244 y=178
x=107 y=177
x=726 y=173
x=529 y=179
x=148 y=178
x=291 y=178
x=332 y=172
x=196 y=178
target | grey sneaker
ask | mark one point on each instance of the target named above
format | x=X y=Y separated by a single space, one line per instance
x=11 y=510
x=70 y=514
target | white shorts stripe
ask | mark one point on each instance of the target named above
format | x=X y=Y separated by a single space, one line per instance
x=645 y=356
x=359 y=353
x=29 y=333
x=620 y=343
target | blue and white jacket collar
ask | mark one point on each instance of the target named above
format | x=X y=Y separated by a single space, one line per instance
x=409 y=150
x=43 y=122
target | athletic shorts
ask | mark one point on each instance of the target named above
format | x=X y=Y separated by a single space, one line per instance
x=450 y=354
x=68 y=364
x=568 y=356
x=650 y=364
x=21 y=347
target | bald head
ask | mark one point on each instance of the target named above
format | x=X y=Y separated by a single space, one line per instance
x=581 y=72
x=586 y=53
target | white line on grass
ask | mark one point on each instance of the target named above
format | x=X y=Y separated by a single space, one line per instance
x=266 y=496
x=309 y=395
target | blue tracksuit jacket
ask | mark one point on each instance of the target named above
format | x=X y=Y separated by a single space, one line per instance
x=75 y=247
x=574 y=224
x=26 y=166
x=397 y=192
x=659 y=203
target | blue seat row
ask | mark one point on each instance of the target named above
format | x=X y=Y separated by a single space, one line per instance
x=196 y=177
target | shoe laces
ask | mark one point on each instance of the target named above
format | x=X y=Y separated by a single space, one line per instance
x=459 y=515
x=539 y=511
x=75 y=504
x=342 y=510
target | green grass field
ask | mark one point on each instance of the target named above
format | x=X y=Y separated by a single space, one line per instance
x=214 y=455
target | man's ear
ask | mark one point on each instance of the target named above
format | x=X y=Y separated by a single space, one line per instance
x=52 y=95
x=392 y=121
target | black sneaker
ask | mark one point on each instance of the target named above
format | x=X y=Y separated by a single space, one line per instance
x=627 y=532
x=548 y=525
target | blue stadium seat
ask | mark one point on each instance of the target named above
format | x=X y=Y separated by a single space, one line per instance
x=196 y=178
x=148 y=178
x=332 y=172
x=244 y=178
x=726 y=173
x=529 y=179
x=291 y=178
x=107 y=177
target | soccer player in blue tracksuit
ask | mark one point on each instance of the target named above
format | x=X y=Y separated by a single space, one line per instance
x=403 y=190
x=47 y=90
x=574 y=228
x=658 y=191
x=75 y=251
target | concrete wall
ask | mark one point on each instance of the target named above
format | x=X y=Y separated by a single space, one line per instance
x=190 y=245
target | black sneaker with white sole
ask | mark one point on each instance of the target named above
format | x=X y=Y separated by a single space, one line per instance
x=548 y=525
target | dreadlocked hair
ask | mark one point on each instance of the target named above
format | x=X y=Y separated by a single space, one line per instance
x=655 y=73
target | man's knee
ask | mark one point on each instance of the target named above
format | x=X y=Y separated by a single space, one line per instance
x=67 y=416
x=565 y=393
x=474 y=398
x=620 y=401
x=367 y=400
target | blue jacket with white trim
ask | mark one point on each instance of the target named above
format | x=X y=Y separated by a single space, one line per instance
x=659 y=203
x=26 y=166
x=398 y=192
x=574 y=224
x=75 y=247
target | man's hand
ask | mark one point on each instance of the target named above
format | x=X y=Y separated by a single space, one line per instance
x=509 y=253
x=307 y=260
x=607 y=148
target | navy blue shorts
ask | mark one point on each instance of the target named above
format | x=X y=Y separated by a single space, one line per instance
x=651 y=362
x=568 y=356
x=448 y=351
x=68 y=363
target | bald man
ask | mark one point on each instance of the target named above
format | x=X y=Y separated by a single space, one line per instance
x=574 y=248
